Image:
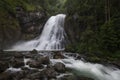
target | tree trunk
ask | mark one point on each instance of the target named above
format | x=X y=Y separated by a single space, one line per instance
x=107 y=10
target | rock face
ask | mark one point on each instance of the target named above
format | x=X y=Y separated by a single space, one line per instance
x=31 y=21
x=20 y=24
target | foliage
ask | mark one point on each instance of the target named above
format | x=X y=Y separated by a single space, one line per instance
x=90 y=31
x=110 y=36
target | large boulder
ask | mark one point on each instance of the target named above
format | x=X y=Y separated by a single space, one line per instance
x=43 y=59
x=59 y=67
x=35 y=64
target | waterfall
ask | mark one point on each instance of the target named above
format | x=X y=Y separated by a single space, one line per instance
x=52 y=37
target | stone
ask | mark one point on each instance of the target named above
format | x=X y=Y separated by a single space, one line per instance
x=34 y=51
x=36 y=76
x=18 y=55
x=59 y=67
x=5 y=76
x=50 y=73
x=16 y=63
x=43 y=60
x=35 y=64
x=17 y=75
x=58 y=55
x=3 y=66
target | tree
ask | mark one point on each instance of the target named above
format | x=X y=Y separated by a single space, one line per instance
x=107 y=10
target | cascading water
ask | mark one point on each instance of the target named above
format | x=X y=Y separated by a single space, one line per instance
x=90 y=70
x=52 y=37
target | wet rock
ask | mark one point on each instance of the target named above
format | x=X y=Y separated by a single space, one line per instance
x=83 y=78
x=58 y=55
x=35 y=64
x=35 y=76
x=28 y=55
x=29 y=71
x=43 y=60
x=3 y=66
x=18 y=55
x=50 y=73
x=31 y=55
x=25 y=79
x=16 y=63
x=18 y=75
x=59 y=67
x=68 y=77
x=5 y=76
x=34 y=51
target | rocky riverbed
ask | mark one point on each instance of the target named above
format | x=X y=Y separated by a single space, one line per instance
x=34 y=65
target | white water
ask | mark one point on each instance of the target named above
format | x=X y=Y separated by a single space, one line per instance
x=86 y=69
x=52 y=37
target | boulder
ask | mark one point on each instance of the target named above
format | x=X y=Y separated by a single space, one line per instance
x=50 y=73
x=36 y=76
x=58 y=55
x=34 y=51
x=3 y=66
x=59 y=67
x=17 y=75
x=16 y=63
x=35 y=64
x=5 y=76
x=18 y=55
x=43 y=60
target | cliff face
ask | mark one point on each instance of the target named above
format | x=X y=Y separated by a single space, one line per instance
x=31 y=22
x=19 y=20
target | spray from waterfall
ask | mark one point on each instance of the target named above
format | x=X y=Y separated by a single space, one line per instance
x=52 y=37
